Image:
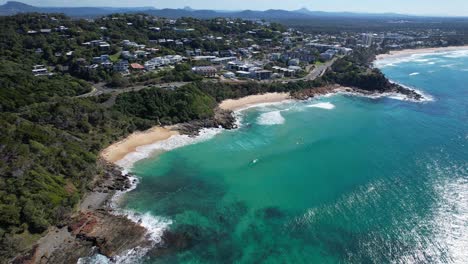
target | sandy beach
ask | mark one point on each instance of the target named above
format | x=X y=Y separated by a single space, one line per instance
x=406 y=52
x=244 y=102
x=119 y=150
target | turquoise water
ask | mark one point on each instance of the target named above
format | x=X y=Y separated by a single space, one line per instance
x=339 y=179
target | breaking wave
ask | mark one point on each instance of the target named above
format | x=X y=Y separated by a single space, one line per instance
x=326 y=105
x=171 y=143
x=271 y=118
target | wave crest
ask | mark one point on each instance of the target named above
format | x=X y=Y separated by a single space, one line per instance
x=171 y=143
x=326 y=105
x=271 y=118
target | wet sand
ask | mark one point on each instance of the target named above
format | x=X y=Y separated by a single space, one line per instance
x=244 y=102
x=119 y=150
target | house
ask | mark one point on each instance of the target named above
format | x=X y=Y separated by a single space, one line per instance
x=204 y=58
x=40 y=70
x=127 y=55
x=129 y=44
x=162 y=61
x=227 y=53
x=62 y=28
x=174 y=58
x=107 y=64
x=262 y=74
x=286 y=72
x=140 y=54
x=207 y=71
x=294 y=62
x=275 y=56
x=295 y=68
x=243 y=74
x=137 y=67
x=328 y=55
x=229 y=75
x=121 y=66
x=224 y=60
x=104 y=45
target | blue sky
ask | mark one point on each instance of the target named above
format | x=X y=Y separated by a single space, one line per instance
x=421 y=7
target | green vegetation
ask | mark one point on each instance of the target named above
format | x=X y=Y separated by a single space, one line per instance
x=355 y=71
x=167 y=107
x=20 y=88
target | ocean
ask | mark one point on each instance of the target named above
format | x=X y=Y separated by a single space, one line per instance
x=337 y=179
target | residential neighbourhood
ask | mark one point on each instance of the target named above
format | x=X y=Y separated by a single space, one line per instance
x=255 y=50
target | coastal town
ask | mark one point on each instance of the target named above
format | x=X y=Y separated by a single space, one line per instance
x=183 y=50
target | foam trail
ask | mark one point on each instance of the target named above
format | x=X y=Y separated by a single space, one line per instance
x=414 y=73
x=327 y=105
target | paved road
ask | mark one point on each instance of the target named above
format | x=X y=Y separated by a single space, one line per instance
x=100 y=88
x=317 y=71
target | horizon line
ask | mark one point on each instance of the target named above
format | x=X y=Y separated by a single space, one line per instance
x=241 y=10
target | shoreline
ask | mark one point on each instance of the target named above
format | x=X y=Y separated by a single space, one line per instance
x=120 y=149
x=408 y=52
x=253 y=100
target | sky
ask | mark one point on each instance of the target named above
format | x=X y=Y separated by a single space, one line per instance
x=417 y=7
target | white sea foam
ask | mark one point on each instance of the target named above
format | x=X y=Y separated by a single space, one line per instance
x=154 y=225
x=396 y=96
x=451 y=65
x=414 y=73
x=420 y=57
x=456 y=54
x=271 y=118
x=422 y=60
x=171 y=143
x=326 y=105
x=394 y=61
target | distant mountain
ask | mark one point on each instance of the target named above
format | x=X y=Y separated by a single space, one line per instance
x=308 y=12
x=13 y=7
x=271 y=14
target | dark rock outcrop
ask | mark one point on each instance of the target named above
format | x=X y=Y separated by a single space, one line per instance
x=221 y=118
